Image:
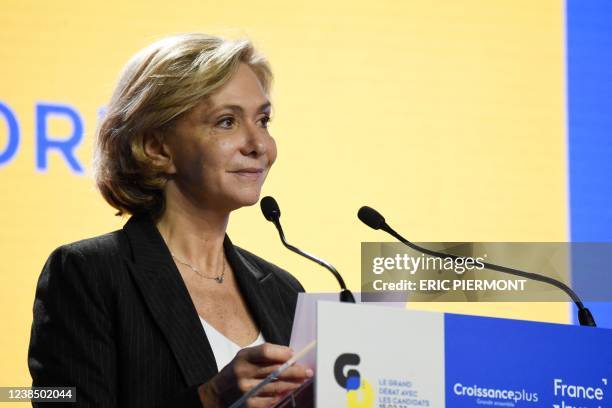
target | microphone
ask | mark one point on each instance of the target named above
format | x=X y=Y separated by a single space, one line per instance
x=375 y=220
x=270 y=210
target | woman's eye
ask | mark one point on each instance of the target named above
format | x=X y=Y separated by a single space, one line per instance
x=226 y=123
x=265 y=121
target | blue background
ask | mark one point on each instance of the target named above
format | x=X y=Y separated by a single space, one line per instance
x=589 y=87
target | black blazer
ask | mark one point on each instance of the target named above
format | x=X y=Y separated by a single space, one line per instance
x=112 y=316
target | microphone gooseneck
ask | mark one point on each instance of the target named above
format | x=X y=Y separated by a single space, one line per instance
x=375 y=220
x=271 y=211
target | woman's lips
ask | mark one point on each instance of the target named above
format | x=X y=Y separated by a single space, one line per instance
x=249 y=172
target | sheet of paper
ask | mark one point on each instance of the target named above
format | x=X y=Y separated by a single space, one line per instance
x=305 y=321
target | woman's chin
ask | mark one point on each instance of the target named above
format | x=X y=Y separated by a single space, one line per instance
x=246 y=200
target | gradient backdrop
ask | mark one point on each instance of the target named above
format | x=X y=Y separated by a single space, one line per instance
x=462 y=120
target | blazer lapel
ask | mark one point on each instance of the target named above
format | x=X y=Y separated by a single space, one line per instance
x=260 y=290
x=168 y=300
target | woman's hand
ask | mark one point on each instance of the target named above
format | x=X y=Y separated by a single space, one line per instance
x=250 y=366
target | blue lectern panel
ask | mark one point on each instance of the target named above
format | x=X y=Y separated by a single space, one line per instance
x=510 y=363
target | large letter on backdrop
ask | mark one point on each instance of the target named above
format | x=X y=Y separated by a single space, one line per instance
x=67 y=145
x=12 y=126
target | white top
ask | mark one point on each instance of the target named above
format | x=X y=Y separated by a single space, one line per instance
x=223 y=348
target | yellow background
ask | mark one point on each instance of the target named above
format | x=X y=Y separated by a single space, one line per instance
x=447 y=116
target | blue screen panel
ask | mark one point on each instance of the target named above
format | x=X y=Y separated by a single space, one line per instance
x=589 y=86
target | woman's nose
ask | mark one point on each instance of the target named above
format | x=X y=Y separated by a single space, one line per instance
x=255 y=141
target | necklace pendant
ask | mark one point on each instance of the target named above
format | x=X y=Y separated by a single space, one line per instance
x=219 y=279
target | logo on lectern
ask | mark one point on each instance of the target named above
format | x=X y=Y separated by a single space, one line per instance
x=359 y=392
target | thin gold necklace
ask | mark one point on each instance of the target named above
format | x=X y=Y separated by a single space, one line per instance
x=219 y=278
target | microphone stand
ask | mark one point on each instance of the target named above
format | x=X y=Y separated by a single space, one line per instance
x=375 y=220
x=271 y=211
x=345 y=294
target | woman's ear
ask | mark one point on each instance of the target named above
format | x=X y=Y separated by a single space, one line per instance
x=158 y=152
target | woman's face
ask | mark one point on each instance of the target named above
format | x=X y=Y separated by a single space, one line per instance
x=221 y=150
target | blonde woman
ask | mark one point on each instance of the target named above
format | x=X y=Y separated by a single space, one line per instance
x=167 y=311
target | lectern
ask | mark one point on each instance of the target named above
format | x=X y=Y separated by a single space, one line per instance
x=383 y=357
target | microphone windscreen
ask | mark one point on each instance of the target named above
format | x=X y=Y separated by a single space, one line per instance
x=269 y=208
x=371 y=217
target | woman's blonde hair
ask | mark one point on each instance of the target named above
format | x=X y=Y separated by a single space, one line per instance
x=158 y=85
